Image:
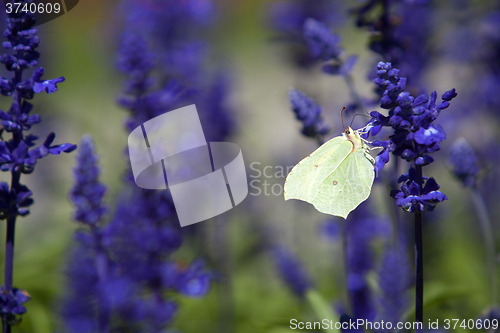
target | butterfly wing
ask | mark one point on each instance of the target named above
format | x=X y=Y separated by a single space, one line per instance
x=346 y=187
x=303 y=181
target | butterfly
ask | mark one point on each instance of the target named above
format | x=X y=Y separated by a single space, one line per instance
x=336 y=177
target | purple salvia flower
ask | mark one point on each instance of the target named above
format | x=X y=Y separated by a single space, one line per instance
x=215 y=113
x=414 y=135
x=325 y=45
x=309 y=114
x=87 y=193
x=114 y=267
x=411 y=198
x=17 y=154
x=87 y=286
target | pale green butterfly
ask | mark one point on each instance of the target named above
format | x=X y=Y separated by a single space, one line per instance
x=336 y=177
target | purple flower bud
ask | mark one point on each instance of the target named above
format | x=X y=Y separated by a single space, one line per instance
x=449 y=95
x=464 y=162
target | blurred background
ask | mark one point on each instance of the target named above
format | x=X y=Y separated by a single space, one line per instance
x=457 y=46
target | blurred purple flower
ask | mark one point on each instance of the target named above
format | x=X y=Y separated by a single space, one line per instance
x=400 y=33
x=362 y=230
x=113 y=266
x=287 y=19
x=164 y=63
x=309 y=114
x=322 y=43
x=291 y=270
x=330 y=230
x=464 y=162
x=88 y=192
x=394 y=280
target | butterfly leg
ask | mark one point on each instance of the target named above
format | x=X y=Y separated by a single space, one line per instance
x=370 y=157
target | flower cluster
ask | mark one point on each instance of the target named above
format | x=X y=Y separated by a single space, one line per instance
x=415 y=135
x=411 y=198
x=411 y=119
x=12 y=304
x=20 y=153
x=309 y=114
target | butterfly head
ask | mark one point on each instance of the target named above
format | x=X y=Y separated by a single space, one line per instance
x=353 y=136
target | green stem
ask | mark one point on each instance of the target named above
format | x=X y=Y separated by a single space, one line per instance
x=225 y=295
x=346 y=266
x=489 y=241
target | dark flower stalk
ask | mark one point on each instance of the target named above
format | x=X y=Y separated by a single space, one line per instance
x=419 y=256
x=413 y=139
x=17 y=155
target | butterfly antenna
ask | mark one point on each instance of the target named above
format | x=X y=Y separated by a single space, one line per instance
x=342 y=117
x=358 y=114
